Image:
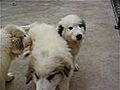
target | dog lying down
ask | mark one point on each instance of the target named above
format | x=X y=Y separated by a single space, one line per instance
x=72 y=28
x=51 y=63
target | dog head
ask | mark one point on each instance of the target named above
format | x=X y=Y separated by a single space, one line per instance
x=72 y=27
x=19 y=39
x=47 y=79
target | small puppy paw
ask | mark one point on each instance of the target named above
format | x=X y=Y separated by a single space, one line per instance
x=76 y=68
x=10 y=77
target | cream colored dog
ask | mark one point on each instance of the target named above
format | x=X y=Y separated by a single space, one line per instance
x=13 y=41
x=72 y=29
x=51 y=63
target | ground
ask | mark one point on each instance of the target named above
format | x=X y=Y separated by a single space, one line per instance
x=99 y=55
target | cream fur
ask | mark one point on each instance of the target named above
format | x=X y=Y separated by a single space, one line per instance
x=11 y=45
x=50 y=53
x=70 y=20
x=70 y=35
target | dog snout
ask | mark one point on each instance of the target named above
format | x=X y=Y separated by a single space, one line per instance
x=79 y=37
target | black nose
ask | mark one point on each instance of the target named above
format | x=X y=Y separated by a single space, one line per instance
x=79 y=37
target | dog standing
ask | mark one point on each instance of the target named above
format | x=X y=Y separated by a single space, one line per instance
x=72 y=29
x=13 y=41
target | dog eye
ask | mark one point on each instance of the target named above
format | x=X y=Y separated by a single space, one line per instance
x=50 y=77
x=80 y=25
x=70 y=28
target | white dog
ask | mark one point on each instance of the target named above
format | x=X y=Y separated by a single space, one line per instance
x=51 y=63
x=13 y=41
x=72 y=29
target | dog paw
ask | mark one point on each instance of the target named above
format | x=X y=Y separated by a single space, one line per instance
x=76 y=68
x=10 y=77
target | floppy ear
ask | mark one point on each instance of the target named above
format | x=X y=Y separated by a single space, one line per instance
x=67 y=71
x=29 y=74
x=84 y=24
x=60 y=29
x=16 y=34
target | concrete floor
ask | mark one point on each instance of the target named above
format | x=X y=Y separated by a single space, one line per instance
x=99 y=55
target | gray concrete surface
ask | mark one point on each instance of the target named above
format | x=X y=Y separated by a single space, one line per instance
x=99 y=55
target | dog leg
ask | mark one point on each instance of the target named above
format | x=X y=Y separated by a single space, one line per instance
x=2 y=83
x=10 y=77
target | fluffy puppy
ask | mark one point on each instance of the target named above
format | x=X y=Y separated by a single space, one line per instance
x=72 y=28
x=13 y=41
x=51 y=63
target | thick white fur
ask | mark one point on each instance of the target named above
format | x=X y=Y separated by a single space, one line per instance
x=70 y=20
x=70 y=35
x=8 y=50
x=67 y=21
x=50 y=53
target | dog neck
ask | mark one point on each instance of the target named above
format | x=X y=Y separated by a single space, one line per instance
x=74 y=46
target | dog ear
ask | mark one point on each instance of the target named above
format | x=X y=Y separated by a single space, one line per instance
x=84 y=24
x=60 y=29
x=29 y=74
x=29 y=77
x=66 y=70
